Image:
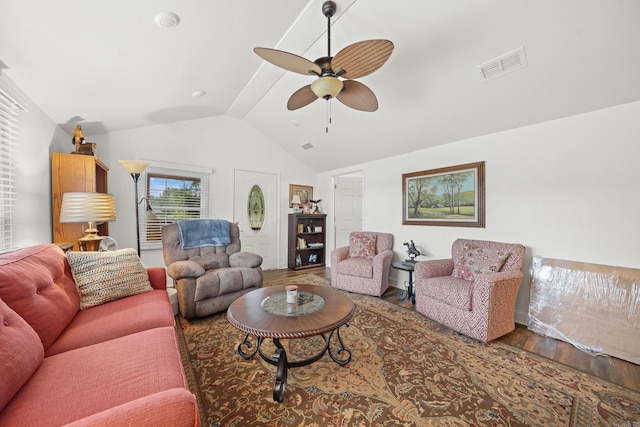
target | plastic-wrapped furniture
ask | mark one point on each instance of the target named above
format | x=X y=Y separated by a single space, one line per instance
x=475 y=291
x=363 y=266
x=209 y=278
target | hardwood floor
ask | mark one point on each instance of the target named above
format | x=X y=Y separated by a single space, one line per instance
x=611 y=369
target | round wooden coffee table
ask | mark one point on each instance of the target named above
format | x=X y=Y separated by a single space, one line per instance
x=265 y=314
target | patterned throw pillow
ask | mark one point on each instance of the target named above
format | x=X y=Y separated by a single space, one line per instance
x=477 y=261
x=362 y=245
x=107 y=276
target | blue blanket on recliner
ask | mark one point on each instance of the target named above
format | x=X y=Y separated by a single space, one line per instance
x=196 y=233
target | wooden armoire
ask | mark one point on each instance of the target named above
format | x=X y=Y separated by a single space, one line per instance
x=70 y=173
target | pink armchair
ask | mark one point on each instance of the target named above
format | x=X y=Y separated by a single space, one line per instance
x=363 y=266
x=475 y=291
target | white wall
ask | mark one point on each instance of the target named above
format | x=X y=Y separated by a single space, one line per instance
x=566 y=189
x=37 y=135
x=220 y=143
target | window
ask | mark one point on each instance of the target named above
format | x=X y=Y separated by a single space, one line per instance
x=9 y=109
x=173 y=193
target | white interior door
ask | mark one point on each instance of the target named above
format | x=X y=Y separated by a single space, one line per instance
x=262 y=240
x=348 y=207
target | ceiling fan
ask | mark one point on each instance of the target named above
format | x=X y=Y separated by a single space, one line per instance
x=335 y=74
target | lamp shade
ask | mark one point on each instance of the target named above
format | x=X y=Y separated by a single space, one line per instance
x=87 y=207
x=295 y=200
x=134 y=166
x=327 y=87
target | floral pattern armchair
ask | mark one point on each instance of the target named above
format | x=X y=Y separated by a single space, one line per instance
x=363 y=266
x=475 y=291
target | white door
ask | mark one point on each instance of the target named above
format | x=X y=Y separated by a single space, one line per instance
x=348 y=208
x=262 y=237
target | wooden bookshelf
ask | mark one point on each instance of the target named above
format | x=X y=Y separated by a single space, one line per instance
x=307 y=234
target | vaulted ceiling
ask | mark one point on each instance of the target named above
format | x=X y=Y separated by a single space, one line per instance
x=108 y=66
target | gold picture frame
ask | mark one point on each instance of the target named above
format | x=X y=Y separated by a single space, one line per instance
x=304 y=191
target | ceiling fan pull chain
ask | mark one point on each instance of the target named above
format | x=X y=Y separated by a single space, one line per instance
x=328 y=116
x=330 y=111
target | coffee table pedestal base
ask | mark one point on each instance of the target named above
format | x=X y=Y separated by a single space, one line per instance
x=279 y=358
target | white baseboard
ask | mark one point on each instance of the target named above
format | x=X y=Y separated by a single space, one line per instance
x=521 y=317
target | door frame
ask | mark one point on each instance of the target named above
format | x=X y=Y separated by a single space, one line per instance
x=355 y=173
x=278 y=225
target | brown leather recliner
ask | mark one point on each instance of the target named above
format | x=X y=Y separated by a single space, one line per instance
x=209 y=278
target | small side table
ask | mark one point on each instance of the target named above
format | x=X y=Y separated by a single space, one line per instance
x=407 y=266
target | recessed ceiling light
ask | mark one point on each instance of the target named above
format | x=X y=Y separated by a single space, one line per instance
x=167 y=19
x=198 y=94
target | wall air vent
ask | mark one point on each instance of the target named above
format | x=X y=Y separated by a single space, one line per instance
x=307 y=146
x=508 y=62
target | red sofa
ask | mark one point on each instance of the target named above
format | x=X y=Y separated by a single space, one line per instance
x=113 y=364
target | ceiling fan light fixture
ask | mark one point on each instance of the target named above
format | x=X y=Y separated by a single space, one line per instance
x=327 y=87
x=356 y=60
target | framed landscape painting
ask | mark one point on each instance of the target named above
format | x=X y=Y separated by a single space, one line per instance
x=451 y=196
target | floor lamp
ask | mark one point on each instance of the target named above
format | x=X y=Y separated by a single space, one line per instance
x=135 y=168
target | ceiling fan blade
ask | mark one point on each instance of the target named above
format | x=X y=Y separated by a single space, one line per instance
x=362 y=58
x=358 y=96
x=288 y=61
x=300 y=98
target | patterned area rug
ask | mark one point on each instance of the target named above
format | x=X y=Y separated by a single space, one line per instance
x=406 y=370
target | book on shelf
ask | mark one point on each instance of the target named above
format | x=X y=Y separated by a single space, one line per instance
x=302 y=244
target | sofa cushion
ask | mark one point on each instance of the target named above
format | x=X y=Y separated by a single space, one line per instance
x=245 y=259
x=181 y=269
x=452 y=291
x=115 y=319
x=358 y=267
x=362 y=245
x=36 y=283
x=21 y=353
x=107 y=276
x=479 y=261
x=218 y=282
x=175 y=408
x=212 y=260
x=79 y=383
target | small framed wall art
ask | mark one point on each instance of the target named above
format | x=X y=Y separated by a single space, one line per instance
x=304 y=192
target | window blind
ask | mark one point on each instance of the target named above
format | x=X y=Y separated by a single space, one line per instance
x=8 y=133
x=174 y=194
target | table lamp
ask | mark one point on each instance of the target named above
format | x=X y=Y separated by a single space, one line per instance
x=91 y=208
x=296 y=202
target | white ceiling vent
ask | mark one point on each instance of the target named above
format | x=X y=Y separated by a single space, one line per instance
x=307 y=146
x=508 y=62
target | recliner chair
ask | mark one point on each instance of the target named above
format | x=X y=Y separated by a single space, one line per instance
x=209 y=278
